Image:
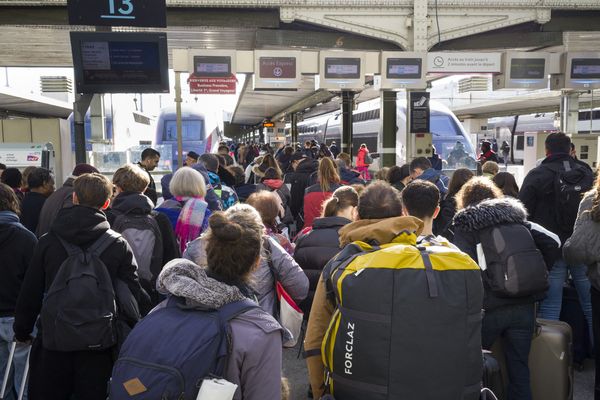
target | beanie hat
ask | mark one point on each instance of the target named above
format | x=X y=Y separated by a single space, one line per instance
x=81 y=169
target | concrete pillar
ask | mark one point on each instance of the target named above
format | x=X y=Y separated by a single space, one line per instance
x=80 y=107
x=569 y=112
x=347 y=109
x=98 y=118
x=387 y=140
x=294 y=128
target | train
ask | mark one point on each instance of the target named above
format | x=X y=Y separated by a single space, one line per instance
x=200 y=132
x=500 y=128
x=448 y=133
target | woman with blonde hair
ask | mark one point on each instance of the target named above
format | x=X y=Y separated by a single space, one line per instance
x=315 y=195
x=187 y=210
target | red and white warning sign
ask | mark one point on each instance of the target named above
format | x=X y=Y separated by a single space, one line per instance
x=212 y=85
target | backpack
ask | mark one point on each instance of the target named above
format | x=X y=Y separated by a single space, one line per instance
x=368 y=158
x=513 y=265
x=145 y=239
x=79 y=310
x=171 y=351
x=570 y=183
x=407 y=322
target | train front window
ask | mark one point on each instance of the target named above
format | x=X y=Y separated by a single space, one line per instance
x=191 y=130
x=443 y=125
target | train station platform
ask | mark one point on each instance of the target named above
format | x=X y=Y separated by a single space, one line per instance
x=16 y=103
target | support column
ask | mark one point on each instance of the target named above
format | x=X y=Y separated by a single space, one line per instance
x=80 y=107
x=347 y=109
x=178 y=101
x=98 y=118
x=294 y=128
x=387 y=148
x=569 y=112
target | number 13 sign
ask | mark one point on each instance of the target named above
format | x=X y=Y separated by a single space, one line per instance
x=146 y=13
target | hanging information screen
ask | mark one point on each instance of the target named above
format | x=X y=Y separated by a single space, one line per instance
x=585 y=68
x=214 y=66
x=120 y=62
x=404 y=68
x=342 y=68
x=277 y=67
x=528 y=68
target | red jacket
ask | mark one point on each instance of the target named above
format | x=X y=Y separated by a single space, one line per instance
x=314 y=198
x=360 y=158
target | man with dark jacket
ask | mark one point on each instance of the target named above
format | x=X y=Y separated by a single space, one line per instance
x=41 y=185
x=79 y=374
x=545 y=207
x=61 y=198
x=149 y=162
x=16 y=244
x=420 y=168
x=130 y=182
x=300 y=179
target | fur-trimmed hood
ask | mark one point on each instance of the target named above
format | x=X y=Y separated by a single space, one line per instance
x=490 y=212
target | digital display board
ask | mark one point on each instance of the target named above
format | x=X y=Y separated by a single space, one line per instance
x=342 y=68
x=212 y=66
x=528 y=68
x=120 y=62
x=585 y=68
x=404 y=68
x=277 y=67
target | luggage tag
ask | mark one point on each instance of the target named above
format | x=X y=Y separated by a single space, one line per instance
x=216 y=389
x=481 y=257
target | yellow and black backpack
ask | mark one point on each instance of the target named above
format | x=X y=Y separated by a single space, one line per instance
x=407 y=323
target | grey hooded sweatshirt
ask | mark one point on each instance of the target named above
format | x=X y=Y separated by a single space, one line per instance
x=583 y=247
x=254 y=362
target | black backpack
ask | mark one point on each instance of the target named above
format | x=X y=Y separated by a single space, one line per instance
x=514 y=266
x=570 y=183
x=79 y=311
x=145 y=239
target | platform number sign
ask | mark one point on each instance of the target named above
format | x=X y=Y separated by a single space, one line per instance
x=146 y=13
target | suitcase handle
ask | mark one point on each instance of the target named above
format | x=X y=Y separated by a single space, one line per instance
x=8 y=367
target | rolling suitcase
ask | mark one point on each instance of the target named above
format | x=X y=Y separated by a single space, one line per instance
x=7 y=373
x=550 y=361
x=492 y=377
x=572 y=313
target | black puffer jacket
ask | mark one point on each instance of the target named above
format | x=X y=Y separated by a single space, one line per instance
x=469 y=222
x=16 y=249
x=442 y=225
x=81 y=226
x=315 y=248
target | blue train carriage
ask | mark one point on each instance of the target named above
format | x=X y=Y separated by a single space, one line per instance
x=451 y=141
x=200 y=132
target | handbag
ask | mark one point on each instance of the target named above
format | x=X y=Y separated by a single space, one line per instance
x=287 y=312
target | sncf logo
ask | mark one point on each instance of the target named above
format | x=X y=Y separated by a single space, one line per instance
x=349 y=348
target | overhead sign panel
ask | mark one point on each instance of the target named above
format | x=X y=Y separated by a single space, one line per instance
x=458 y=63
x=582 y=70
x=215 y=66
x=403 y=70
x=147 y=13
x=120 y=62
x=523 y=70
x=212 y=85
x=341 y=70
x=277 y=70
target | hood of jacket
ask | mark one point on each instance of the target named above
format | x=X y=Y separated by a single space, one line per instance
x=307 y=166
x=203 y=171
x=330 y=222
x=9 y=222
x=273 y=184
x=214 y=179
x=381 y=230
x=348 y=174
x=133 y=202
x=80 y=225
x=431 y=175
x=183 y=278
x=490 y=212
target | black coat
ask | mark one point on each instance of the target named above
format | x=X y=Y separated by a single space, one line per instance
x=151 y=190
x=469 y=222
x=300 y=180
x=315 y=248
x=31 y=208
x=81 y=226
x=537 y=194
x=16 y=245
x=442 y=225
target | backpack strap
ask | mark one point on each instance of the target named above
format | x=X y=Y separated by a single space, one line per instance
x=103 y=242
x=429 y=274
x=71 y=249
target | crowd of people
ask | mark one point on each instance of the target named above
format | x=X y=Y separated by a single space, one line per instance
x=111 y=284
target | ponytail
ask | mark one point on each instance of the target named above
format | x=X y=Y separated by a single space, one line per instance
x=341 y=199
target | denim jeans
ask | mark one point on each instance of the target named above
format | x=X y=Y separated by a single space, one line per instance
x=550 y=307
x=515 y=325
x=596 y=315
x=19 y=360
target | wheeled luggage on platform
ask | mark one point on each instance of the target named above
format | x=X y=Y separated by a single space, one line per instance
x=492 y=376
x=550 y=361
x=7 y=374
x=572 y=313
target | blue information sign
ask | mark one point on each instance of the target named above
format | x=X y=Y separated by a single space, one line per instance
x=147 y=13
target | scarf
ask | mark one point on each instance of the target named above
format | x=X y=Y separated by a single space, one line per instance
x=191 y=221
x=10 y=218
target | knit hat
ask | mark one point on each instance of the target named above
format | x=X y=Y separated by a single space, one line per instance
x=81 y=169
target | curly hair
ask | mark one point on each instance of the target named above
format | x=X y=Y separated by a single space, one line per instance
x=595 y=210
x=475 y=191
x=8 y=199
